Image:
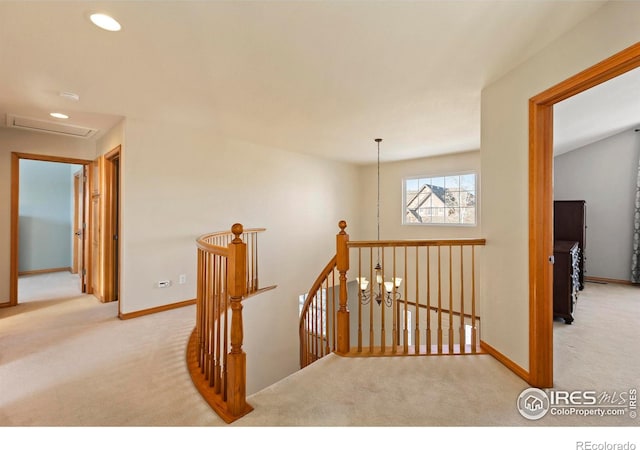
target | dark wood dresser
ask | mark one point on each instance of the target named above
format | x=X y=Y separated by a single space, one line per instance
x=566 y=280
x=569 y=224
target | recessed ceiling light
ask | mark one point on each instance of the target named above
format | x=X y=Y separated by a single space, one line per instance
x=105 y=22
x=58 y=115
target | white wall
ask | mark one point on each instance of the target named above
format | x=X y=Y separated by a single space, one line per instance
x=391 y=208
x=179 y=183
x=27 y=142
x=504 y=163
x=604 y=174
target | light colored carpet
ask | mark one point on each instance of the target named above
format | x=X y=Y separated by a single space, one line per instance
x=70 y=362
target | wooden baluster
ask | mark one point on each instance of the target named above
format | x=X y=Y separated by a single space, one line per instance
x=396 y=321
x=209 y=318
x=359 y=300
x=383 y=331
x=254 y=263
x=324 y=300
x=405 y=336
x=211 y=303
x=310 y=332
x=371 y=300
x=417 y=329
x=314 y=324
x=212 y=319
x=218 y=318
x=246 y=238
x=473 y=300
x=255 y=280
x=237 y=359
x=462 y=330
x=307 y=347
x=342 y=260
x=214 y=315
x=439 y=302
x=428 y=336
x=203 y=319
x=321 y=324
x=225 y=324
x=211 y=322
x=395 y=332
x=199 y=309
x=321 y=301
x=450 y=299
x=205 y=309
x=331 y=313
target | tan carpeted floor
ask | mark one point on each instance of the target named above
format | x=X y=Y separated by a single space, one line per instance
x=68 y=361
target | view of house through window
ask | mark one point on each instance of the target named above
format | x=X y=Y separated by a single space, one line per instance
x=446 y=199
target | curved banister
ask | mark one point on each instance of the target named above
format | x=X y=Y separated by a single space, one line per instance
x=304 y=314
x=218 y=243
x=227 y=274
x=205 y=238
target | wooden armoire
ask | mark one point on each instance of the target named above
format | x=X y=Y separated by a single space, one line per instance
x=569 y=224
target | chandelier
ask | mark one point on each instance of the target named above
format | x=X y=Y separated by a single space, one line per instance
x=386 y=291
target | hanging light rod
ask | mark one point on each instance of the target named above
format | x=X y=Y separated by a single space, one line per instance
x=378 y=140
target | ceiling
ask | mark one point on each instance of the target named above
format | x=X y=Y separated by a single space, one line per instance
x=595 y=114
x=317 y=77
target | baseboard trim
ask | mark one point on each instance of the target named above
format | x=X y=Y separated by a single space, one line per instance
x=608 y=280
x=515 y=368
x=41 y=271
x=157 y=309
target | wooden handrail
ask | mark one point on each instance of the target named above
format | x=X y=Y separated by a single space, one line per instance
x=227 y=274
x=444 y=311
x=214 y=249
x=304 y=330
x=416 y=243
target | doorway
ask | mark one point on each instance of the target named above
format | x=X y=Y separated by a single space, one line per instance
x=57 y=241
x=111 y=220
x=541 y=205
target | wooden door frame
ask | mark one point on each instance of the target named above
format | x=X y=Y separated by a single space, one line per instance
x=541 y=204
x=79 y=219
x=111 y=224
x=15 y=216
x=76 y=211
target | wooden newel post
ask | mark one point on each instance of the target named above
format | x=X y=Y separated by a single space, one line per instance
x=342 y=262
x=237 y=359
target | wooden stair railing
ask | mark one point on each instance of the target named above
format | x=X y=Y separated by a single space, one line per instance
x=317 y=324
x=227 y=274
x=409 y=297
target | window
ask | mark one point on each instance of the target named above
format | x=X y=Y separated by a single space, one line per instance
x=445 y=199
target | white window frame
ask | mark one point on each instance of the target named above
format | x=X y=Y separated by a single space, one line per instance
x=440 y=175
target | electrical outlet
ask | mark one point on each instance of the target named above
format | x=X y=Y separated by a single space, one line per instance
x=182 y=279
x=164 y=283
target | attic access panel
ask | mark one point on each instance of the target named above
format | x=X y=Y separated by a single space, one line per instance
x=30 y=124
